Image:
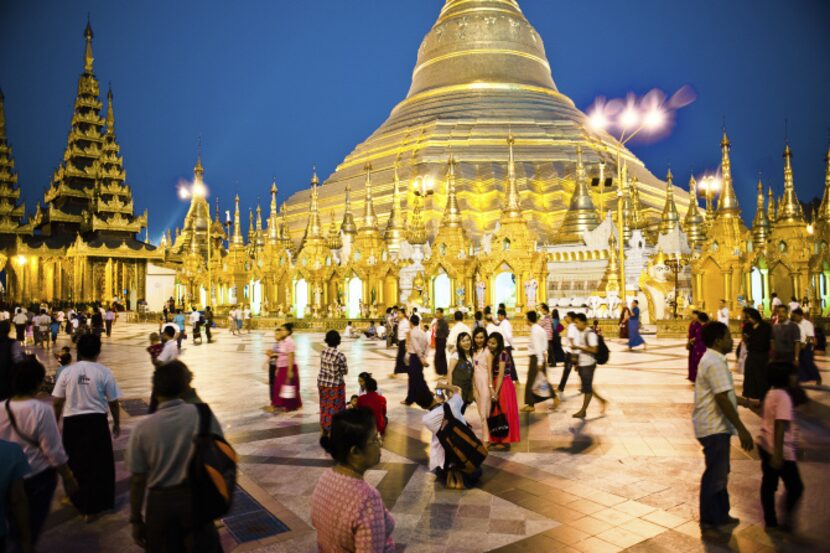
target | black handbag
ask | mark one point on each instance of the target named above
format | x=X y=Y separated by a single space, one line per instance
x=464 y=451
x=497 y=423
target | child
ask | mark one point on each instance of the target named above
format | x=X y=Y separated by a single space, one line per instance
x=30 y=334
x=352 y=402
x=375 y=402
x=155 y=347
x=64 y=358
x=776 y=445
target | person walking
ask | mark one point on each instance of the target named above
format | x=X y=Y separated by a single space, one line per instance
x=41 y=324
x=538 y=355
x=330 y=383
x=403 y=333
x=546 y=322
x=786 y=339
x=777 y=448
x=567 y=346
x=634 y=338
x=232 y=321
x=442 y=332
x=249 y=321
x=179 y=321
x=83 y=393
x=286 y=390
x=505 y=328
x=30 y=423
x=13 y=502
x=461 y=368
x=208 y=324
x=558 y=353
x=715 y=419
x=169 y=349
x=482 y=379
x=503 y=392
x=348 y=512
x=807 y=369
x=586 y=347
x=625 y=314
x=695 y=343
x=11 y=352
x=757 y=343
x=109 y=320
x=158 y=456
x=20 y=321
x=417 y=346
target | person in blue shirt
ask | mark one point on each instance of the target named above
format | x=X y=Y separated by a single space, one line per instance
x=13 y=502
x=179 y=320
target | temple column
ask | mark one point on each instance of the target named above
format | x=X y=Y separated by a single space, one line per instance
x=824 y=306
x=727 y=289
x=767 y=299
x=796 y=280
x=697 y=289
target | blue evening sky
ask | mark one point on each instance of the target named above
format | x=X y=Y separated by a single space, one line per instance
x=276 y=86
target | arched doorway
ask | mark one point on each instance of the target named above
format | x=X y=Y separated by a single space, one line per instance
x=505 y=289
x=255 y=296
x=441 y=291
x=300 y=298
x=757 y=282
x=781 y=282
x=354 y=295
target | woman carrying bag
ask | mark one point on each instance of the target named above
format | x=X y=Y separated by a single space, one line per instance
x=505 y=409
x=286 y=391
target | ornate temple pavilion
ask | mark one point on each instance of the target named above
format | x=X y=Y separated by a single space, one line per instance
x=81 y=244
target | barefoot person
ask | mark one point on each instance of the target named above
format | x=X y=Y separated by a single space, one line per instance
x=585 y=344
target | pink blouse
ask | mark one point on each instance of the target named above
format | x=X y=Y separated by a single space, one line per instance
x=283 y=348
x=349 y=516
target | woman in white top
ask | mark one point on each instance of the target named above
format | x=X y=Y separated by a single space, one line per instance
x=30 y=423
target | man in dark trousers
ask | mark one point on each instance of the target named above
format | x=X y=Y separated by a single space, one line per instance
x=442 y=331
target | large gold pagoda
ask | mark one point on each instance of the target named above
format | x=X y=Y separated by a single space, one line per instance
x=481 y=74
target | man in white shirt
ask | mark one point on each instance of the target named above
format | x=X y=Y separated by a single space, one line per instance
x=170 y=351
x=41 y=324
x=83 y=393
x=403 y=333
x=417 y=347
x=585 y=345
x=246 y=316
x=776 y=301
x=433 y=421
x=794 y=304
x=538 y=353
x=455 y=331
x=723 y=313
x=571 y=333
x=807 y=370
x=20 y=321
x=715 y=420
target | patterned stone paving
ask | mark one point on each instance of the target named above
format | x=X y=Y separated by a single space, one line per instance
x=626 y=480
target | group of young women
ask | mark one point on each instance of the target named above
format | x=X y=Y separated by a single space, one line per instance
x=481 y=367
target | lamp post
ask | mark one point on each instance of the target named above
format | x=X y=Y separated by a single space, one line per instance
x=630 y=122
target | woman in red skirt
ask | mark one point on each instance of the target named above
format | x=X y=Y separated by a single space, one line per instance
x=503 y=393
x=285 y=395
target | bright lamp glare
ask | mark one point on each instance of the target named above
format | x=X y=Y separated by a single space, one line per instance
x=199 y=190
x=654 y=119
x=183 y=193
x=629 y=118
x=598 y=120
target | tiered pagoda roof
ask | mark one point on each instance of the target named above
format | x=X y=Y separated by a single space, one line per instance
x=11 y=212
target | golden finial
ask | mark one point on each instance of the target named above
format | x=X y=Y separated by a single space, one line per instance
x=760 y=225
x=824 y=209
x=395 y=229
x=348 y=225
x=452 y=213
x=314 y=229
x=727 y=202
x=670 y=219
x=88 y=57
x=198 y=170
x=237 y=224
x=581 y=215
x=258 y=217
x=513 y=207
x=694 y=222
x=110 y=114
x=370 y=220
x=790 y=209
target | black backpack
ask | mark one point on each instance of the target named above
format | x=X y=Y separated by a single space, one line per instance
x=464 y=451
x=602 y=354
x=212 y=471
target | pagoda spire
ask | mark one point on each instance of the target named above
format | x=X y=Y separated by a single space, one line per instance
x=315 y=228
x=258 y=221
x=273 y=218
x=581 y=215
x=637 y=222
x=285 y=231
x=670 y=218
x=348 y=225
x=513 y=208
x=727 y=202
x=824 y=208
x=110 y=113
x=772 y=214
x=237 y=225
x=12 y=218
x=626 y=185
x=88 y=57
x=694 y=222
x=760 y=226
x=370 y=219
x=395 y=229
x=789 y=211
x=251 y=232
x=452 y=213
x=335 y=240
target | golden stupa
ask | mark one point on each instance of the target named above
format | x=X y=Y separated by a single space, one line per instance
x=482 y=74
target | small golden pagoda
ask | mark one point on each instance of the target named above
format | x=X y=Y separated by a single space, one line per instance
x=694 y=224
x=670 y=219
x=760 y=225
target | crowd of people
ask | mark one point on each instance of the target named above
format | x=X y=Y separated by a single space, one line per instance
x=70 y=439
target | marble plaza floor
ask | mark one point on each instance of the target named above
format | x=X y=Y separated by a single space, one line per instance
x=623 y=481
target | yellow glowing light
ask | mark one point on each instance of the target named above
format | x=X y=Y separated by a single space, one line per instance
x=183 y=193
x=199 y=190
x=21 y=259
x=654 y=119
x=598 y=120
x=810 y=228
x=629 y=118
